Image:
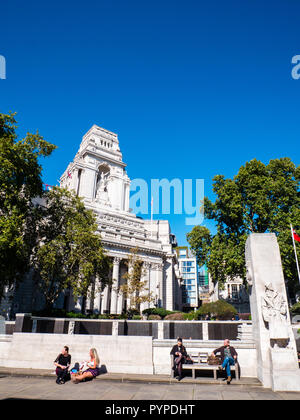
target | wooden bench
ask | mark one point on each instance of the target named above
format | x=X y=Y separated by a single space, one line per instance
x=200 y=363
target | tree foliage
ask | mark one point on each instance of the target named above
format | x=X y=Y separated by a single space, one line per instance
x=20 y=182
x=135 y=289
x=69 y=252
x=219 y=309
x=200 y=240
x=260 y=198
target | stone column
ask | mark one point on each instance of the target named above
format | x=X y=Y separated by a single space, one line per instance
x=126 y=198
x=115 y=286
x=277 y=363
x=120 y=303
x=146 y=278
x=130 y=268
x=97 y=298
x=87 y=183
x=159 y=284
x=105 y=302
x=169 y=285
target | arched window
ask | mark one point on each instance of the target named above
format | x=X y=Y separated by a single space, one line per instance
x=103 y=172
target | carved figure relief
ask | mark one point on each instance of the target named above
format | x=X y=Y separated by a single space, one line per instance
x=274 y=308
x=102 y=187
x=275 y=315
x=71 y=327
x=249 y=274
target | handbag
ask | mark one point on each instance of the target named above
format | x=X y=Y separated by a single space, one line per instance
x=214 y=360
x=188 y=360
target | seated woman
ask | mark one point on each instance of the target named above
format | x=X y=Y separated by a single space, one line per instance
x=180 y=354
x=62 y=363
x=91 y=371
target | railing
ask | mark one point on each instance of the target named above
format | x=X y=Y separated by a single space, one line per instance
x=194 y=330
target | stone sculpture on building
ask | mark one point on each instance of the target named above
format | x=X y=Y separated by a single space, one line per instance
x=98 y=175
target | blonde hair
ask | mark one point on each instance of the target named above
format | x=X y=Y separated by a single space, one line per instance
x=95 y=354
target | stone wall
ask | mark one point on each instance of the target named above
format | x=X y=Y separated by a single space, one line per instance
x=118 y=354
x=194 y=330
x=38 y=351
x=36 y=342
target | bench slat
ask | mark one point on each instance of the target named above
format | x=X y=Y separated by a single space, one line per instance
x=203 y=366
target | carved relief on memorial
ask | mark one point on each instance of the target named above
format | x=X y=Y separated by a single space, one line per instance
x=274 y=308
x=275 y=315
x=249 y=273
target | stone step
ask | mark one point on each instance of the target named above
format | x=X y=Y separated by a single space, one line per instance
x=131 y=377
x=5 y=338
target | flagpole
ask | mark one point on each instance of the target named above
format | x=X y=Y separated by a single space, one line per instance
x=297 y=263
x=151 y=217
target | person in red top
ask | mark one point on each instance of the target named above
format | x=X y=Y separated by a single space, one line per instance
x=92 y=368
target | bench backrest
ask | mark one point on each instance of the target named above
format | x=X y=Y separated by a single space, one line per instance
x=197 y=357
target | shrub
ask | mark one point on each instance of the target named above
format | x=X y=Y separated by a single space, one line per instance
x=219 y=309
x=176 y=316
x=131 y=312
x=295 y=309
x=153 y=317
x=76 y=315
x=157 y=311
x=136 y=317
x=245 y=316
x=51 y=313
x=191 y=316
x=103 y=316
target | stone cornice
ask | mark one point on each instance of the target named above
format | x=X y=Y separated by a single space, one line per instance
x=87 y=150
x=129 y=246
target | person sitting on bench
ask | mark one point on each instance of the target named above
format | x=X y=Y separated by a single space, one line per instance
x=228 y=357
x=180 y=354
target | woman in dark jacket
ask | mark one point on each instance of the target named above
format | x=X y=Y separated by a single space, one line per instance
x=180 y=354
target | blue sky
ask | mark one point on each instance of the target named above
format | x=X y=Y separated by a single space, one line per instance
x=192 y=88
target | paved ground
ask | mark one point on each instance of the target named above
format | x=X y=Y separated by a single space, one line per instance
x=45 y=388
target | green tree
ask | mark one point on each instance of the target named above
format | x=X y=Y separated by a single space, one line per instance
x=69 y=252
x=200 y=240
x=20 y=182
x=135 y=289
x=260 y=198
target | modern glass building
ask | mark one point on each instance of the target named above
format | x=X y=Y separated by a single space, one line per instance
x=190 y=275
x=203 y=284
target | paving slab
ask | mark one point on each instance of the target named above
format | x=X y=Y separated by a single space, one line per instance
x=130 y=377
x=45 y=388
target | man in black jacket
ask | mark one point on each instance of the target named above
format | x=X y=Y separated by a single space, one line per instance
x=228 y=357
x=180 y=354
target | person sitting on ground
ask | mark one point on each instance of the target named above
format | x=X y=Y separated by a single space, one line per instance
x=180 y=355
x=228 y=357
x=62 y=363
x=91 y=368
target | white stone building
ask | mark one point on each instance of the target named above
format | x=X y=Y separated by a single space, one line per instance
x=98 y=175
x=233 y=291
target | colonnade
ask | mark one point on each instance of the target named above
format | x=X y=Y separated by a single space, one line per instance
x=113 y=301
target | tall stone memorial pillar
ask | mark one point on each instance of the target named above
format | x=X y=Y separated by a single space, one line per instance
x=277 y=362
